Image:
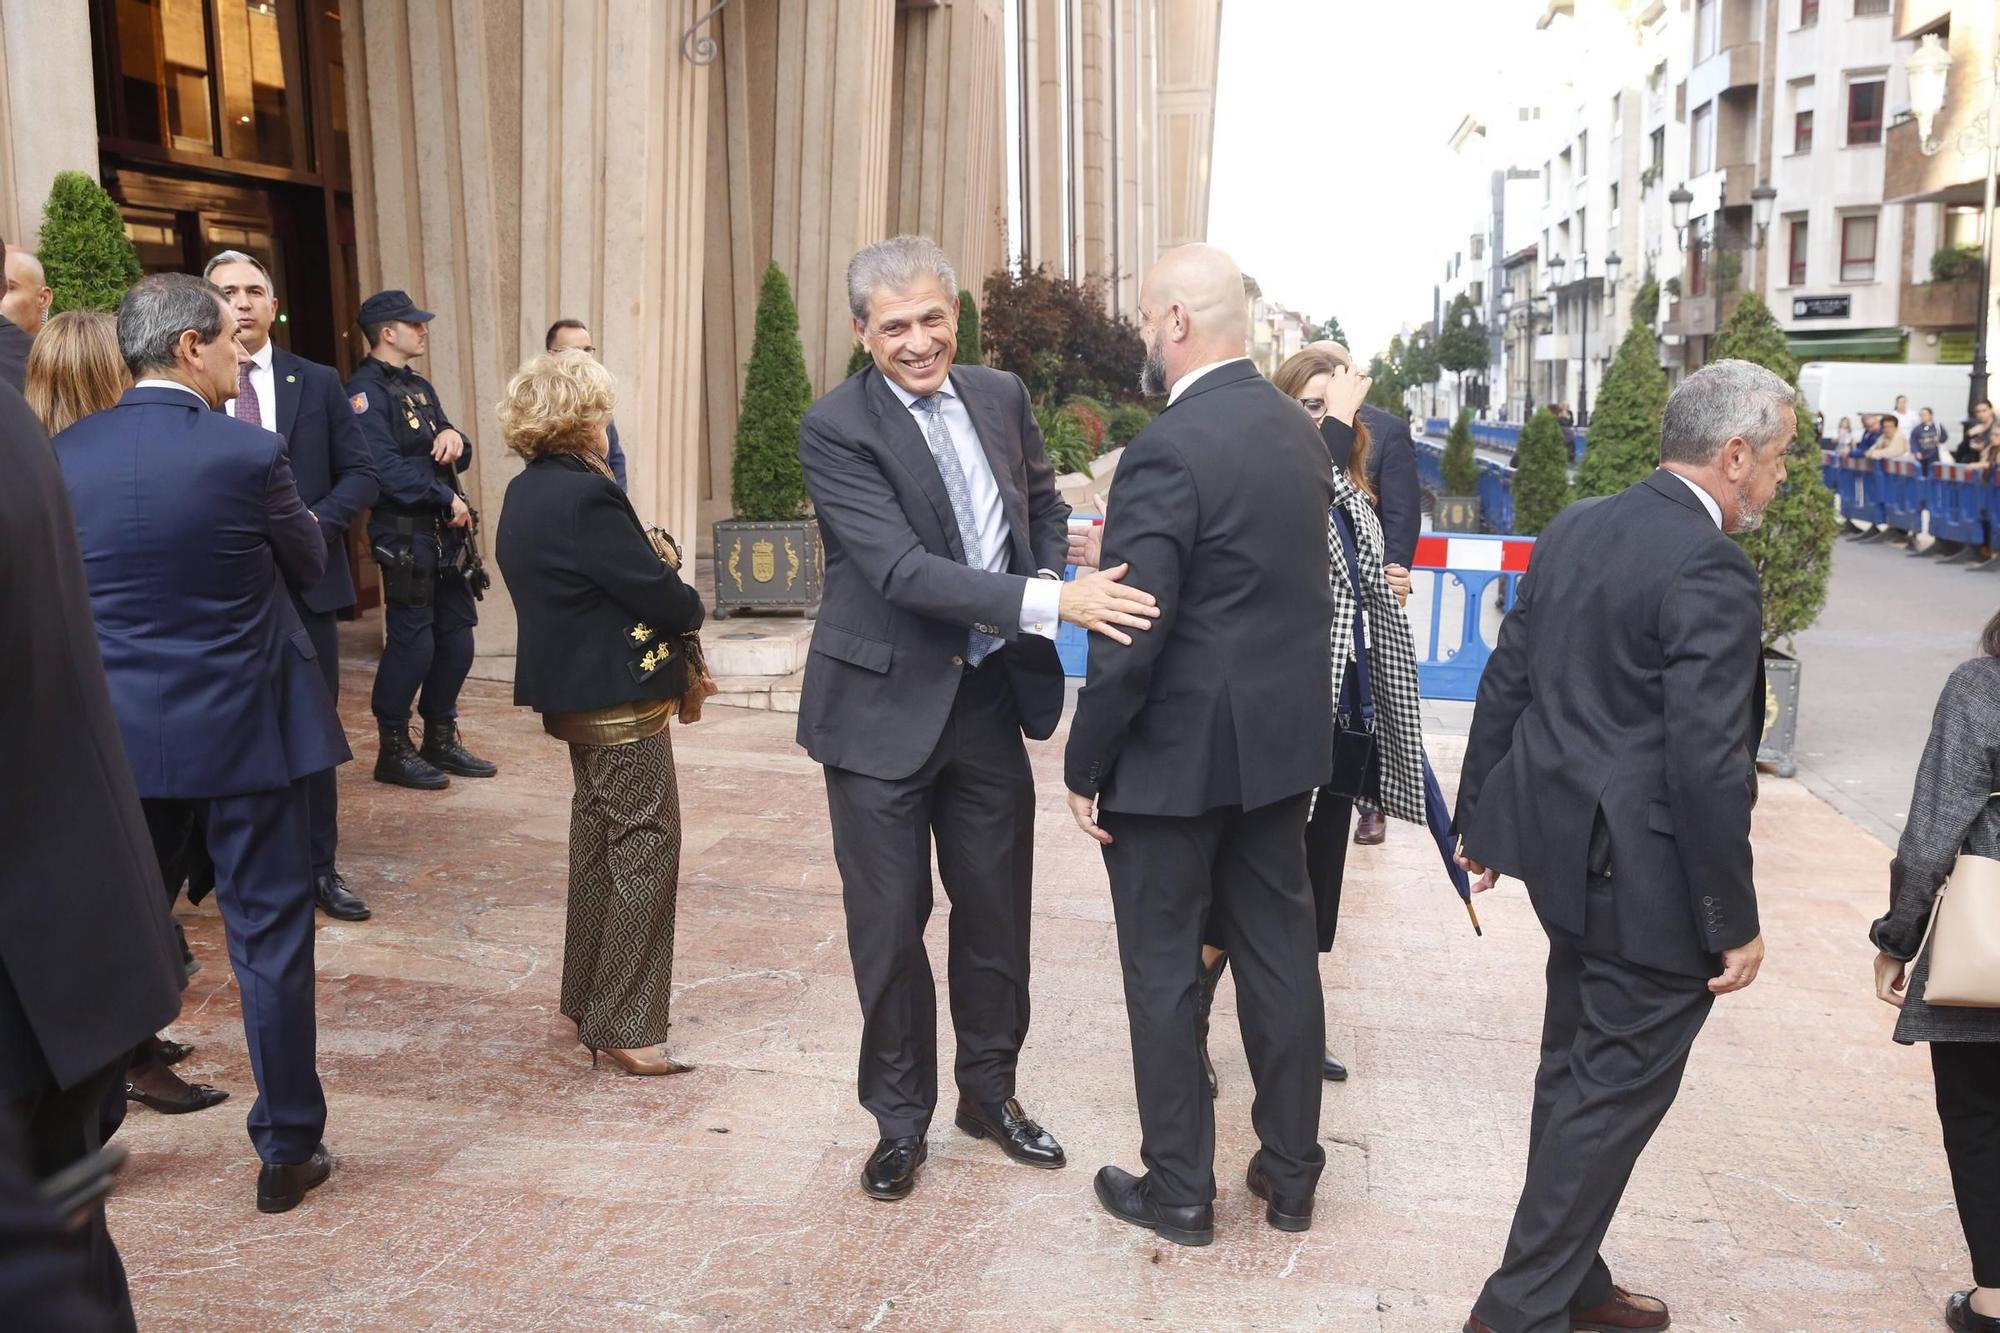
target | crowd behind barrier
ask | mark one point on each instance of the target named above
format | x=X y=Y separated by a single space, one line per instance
x=1957 y=502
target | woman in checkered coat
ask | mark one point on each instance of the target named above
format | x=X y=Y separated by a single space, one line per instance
x=1367 y=595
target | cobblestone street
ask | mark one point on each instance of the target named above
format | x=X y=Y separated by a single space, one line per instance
x=488 y=1178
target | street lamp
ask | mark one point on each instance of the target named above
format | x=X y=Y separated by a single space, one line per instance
x=1762 y=200
x=1583 y=360
x=1928 y=68
x=1680 y=201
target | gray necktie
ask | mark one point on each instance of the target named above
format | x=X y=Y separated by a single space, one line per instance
x=938 y=435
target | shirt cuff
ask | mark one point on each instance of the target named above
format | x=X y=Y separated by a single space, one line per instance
x=1041 y=605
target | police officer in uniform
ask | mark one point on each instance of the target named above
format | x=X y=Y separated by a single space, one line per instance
x=423 y=538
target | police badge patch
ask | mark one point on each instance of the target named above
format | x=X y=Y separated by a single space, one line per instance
x=359 y=402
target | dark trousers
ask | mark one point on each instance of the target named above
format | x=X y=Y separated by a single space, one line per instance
x=1243 y=872
x=1326 y=861
x=263 y=888
x=38 y=1267
x=322 y=792
x=1968 y=1103
x=1615 y=1040
x=429 y=650
x=975 y=797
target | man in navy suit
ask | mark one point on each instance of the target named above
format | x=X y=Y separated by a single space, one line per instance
x=303 y=402
x=190 y=525
x=575 y=333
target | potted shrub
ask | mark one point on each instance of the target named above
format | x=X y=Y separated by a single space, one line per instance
x=1541 y=475
x=1458 y=508
x=83 y=247
x=1625 y=424
x=1793 y=549
x=768 y=555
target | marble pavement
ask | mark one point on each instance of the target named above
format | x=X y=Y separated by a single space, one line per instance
x=489 y=1178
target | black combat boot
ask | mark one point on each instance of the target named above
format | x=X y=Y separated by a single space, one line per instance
x=442 y=748
x=398 y=763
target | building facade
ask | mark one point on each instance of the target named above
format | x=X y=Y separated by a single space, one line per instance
x=632 y=163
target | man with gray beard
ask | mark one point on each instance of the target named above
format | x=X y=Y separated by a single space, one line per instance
x=1611 y=766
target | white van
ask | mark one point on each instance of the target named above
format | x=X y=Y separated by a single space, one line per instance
x=1839 y=389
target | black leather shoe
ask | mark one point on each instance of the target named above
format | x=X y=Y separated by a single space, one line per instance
x=1124 y=1197
x=330 y=892
x=443 y=749
x=399 y=764
x=1283 y=1213
x=1204 y=1003
x=280 y=1188
x=1332 y=1070
x=171 y=1052
x=1959 y=1314
x=1008 y=1125
x=183 y=1100
x=891 y=1172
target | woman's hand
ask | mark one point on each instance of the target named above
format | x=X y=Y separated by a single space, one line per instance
x=1346 y=391
x=1891 y=978
x=1399 y=583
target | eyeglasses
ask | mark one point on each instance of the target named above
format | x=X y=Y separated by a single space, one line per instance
x=1315 y=406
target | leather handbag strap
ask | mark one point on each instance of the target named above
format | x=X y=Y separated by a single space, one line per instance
x=1365 y=686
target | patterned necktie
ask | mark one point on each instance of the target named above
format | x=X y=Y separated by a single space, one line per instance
x=979 y=644
x=247 y=407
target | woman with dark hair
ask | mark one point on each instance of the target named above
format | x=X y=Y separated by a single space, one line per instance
x=601 y=658
x=1955 y=809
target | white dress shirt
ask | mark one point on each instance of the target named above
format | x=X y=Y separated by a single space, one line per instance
x=1186 y=382
x=1707 y=500
x=1041 y=599
x=171 y=384
x=262 y=380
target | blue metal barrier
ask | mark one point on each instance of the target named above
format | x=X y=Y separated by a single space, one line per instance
x=1430 y=465
x=1860 y=491
x=1073 y=641
x=1960 y=503
x=1902 y=491
x=1501 y=435
x=1496 y=498
x=1475 y=564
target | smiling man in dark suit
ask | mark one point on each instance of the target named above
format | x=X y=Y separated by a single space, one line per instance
x=303 y=402
x=934 y=654
x=1611 y=766
x=189 y=523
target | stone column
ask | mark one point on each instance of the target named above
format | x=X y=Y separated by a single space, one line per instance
x=48 y=109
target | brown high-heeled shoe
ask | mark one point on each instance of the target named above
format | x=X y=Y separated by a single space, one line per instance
x=649 y=1061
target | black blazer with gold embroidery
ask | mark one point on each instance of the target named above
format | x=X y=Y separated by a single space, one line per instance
x=598 y=610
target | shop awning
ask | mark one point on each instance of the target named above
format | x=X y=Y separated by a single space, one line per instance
x=1847 y=343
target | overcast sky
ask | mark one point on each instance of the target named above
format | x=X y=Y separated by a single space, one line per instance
x=1332 y=128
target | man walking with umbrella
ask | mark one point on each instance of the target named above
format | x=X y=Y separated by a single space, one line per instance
x=1610 y=765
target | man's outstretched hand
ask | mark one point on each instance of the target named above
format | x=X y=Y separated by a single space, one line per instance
x=1739 y=967
x=1084 y=809
x=1099 y=602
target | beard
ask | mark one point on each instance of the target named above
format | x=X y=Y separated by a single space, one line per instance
x=1749 y=517
x=1153 y=374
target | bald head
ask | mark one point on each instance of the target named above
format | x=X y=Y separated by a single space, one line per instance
x=1194 y=312
x=24 y=296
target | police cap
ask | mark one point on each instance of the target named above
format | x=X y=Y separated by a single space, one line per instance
x=391 y=307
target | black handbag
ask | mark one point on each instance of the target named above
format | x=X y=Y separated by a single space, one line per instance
x=1356 y=759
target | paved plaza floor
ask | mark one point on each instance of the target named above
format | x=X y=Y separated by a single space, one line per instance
x=489 y=1178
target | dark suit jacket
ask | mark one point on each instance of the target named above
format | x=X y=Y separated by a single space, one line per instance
x=85 y=945
x=596 y=605
x=1625 y=682
x=884 y=666
x=330 y=463
x=1392 y=471
x=616 y=458
x=14 y=344
x=1228 y=699
x=187 y=517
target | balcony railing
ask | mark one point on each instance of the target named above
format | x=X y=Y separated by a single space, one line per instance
x=1940 y=305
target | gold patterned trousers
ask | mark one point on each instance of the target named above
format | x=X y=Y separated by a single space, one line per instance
x=624 y=873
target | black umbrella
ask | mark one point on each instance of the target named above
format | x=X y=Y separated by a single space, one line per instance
x=1438 y=815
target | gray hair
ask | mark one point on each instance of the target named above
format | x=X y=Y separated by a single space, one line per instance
x=1722 y=400
x=158 y=310
x=238 y=257
x=897 y=264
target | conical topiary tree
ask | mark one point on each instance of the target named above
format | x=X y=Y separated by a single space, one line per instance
x=970 y=352
x=1625 y=427
x=859 y=360
x=1460 y=464
x=765 y=483
x=1541 y=475
x=1793 y=549
x=83 y=247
